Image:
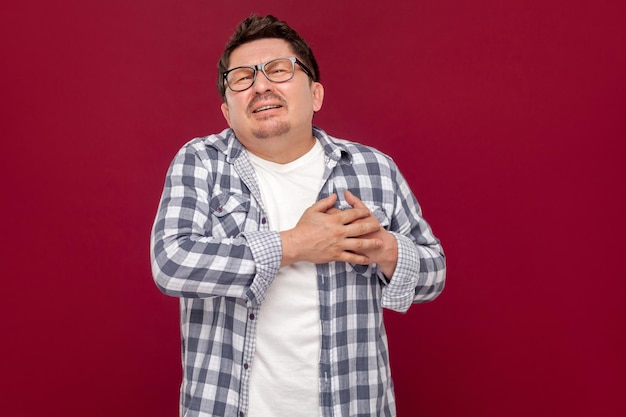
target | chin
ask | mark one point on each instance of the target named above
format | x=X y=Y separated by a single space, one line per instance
x=279 y=129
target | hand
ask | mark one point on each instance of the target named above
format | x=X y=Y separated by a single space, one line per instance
x=386 y=254
x=323 y=235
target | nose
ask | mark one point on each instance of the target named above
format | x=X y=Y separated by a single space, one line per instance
x=262 y=84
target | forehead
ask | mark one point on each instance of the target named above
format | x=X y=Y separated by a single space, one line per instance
x=259 y=51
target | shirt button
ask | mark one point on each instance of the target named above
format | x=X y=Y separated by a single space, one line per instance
x=263 y=220
x=241 y=414
x=251 y=316
x=219 y=209
x=245 y=366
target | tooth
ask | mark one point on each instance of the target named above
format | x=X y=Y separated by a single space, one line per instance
x=265 y=108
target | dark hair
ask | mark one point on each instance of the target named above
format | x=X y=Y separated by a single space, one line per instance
x=256 y=27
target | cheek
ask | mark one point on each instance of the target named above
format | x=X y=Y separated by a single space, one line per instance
x=234 y=112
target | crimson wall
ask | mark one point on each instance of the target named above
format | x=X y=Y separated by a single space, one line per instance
x=507 y=118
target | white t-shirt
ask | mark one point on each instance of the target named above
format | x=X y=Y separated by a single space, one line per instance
x=284 y=379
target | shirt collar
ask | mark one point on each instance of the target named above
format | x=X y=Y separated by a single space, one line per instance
x=334 y=148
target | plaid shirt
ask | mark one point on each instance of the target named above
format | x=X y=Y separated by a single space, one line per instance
x=212 y=247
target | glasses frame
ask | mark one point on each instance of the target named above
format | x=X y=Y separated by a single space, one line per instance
x=261 y=67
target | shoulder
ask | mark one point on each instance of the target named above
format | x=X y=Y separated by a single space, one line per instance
x=216 y=141
x=212 y=147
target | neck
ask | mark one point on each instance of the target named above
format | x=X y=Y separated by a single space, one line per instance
x=280 y=149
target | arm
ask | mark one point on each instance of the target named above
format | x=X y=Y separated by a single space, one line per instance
x=410 y=256
x=186 y=260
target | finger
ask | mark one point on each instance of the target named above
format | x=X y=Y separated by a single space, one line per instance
x=324 y=204
x=350 y=215
x=361 y=228
x=359 y=245
x=353 y=200
x=354 y=258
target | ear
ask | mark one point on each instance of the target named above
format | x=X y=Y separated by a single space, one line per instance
x=225 y=112
x=317 y=91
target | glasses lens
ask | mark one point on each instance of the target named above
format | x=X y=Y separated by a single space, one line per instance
x=279 y=70
x=241 y=78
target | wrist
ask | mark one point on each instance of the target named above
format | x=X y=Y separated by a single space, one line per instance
x=288 y=248
x=389 y=259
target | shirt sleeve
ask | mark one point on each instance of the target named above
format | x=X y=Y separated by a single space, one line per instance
x=421 y=268
x=186 y=260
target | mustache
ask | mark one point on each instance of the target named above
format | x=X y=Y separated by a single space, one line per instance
x=268 y=95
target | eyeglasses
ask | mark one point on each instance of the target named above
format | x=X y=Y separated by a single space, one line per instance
x=277 y=70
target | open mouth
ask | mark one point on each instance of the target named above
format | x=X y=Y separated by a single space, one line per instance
x=264 y=108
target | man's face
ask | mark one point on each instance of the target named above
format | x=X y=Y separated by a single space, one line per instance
x=268 y=110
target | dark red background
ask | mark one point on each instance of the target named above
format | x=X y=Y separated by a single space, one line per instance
x=507 y=118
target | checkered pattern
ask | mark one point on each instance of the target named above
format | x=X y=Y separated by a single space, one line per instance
x=212 y=247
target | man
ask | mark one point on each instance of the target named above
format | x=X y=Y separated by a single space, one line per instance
x=284 y=244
